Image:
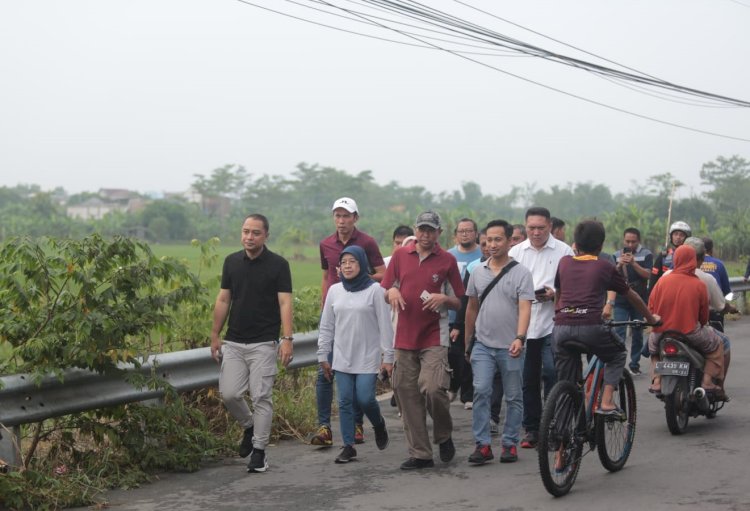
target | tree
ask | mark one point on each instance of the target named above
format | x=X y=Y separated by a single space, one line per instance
x=84 y=303
x=729 y=179
x=226 y=181
x=177 y=226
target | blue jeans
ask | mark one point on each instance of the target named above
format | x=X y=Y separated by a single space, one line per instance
x=627 y=312
x=539 y=364
x=360 y=389
x=324 y=398
x=486 y=362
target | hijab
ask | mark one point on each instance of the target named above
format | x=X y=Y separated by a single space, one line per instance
x=362 y=280
x=684 y=260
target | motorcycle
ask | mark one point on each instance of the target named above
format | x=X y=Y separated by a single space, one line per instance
x=681 y=371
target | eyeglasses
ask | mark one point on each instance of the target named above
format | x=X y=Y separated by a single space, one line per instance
x=465 y=231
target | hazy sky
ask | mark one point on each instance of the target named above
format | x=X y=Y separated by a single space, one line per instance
x=143 y=94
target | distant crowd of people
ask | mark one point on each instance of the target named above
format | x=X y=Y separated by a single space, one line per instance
x=485 y=321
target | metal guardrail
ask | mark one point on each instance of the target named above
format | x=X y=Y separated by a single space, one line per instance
x=23 y=402
x=739 y=288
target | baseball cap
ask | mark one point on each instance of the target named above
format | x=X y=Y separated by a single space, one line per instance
x=429 y=218
x=345 y=202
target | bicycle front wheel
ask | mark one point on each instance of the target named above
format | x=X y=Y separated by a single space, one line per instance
x=560 y=438
x=615 y=434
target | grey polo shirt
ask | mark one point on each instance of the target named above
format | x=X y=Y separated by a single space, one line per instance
x=497 y=322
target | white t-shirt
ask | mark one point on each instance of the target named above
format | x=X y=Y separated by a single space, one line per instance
x=543 y=267
x=360 y=324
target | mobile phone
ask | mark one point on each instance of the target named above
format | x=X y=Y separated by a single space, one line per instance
x=627 y=250
x=383 y=376
x=424 y=296
x=540 y=291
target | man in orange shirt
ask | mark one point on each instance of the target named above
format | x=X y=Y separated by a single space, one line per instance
x=681 y=300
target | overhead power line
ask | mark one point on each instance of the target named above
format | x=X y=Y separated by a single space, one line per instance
x=424 y=22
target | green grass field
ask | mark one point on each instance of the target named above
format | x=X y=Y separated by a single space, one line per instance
x=305 y=271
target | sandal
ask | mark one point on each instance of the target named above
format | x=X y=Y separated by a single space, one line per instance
x=717 y=393
x=614 y=412
x=655 y=389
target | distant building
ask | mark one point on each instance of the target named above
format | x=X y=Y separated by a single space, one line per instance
x=211 y=205
x=109 y=200
x=120 y=195
x=94 y=209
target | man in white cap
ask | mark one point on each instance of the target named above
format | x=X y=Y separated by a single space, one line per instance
x=345 y=216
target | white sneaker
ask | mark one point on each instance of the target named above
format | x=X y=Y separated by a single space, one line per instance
x=468 y=405
x=494 y=428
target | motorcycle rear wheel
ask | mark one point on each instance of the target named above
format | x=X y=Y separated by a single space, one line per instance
x=676 y=408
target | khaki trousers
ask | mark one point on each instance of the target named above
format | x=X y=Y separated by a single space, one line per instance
x=249 y=368
x=420 y=383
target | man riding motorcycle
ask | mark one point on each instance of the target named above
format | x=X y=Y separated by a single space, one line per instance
x=680 y=298
x=678 y=233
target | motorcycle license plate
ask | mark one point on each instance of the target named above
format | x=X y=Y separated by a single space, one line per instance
x=672 y=368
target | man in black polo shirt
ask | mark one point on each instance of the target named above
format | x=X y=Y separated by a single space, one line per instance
x=256 y=294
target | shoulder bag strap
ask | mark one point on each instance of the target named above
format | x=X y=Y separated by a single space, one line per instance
x=494 y=282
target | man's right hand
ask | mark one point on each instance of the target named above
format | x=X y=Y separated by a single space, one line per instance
x=216 y=348
x=327 y=371
x=625 y=259
x=395 y=299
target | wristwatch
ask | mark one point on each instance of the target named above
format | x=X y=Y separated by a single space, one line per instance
x=286 y=338
x=521 y=337
x=611 y=302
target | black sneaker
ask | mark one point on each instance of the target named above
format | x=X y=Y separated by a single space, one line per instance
x=246 y=446
x=416 y=463
x=481 y=455
x=447 y=450
x=381 y=435
x=347 y=454
x=635 y=371
x=509 y=454
x=258 y=461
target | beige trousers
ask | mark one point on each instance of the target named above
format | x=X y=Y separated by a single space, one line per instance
x=420 y=382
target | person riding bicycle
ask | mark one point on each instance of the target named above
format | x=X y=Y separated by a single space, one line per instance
x=678 y=233
x=680 y=298
x=582 y=282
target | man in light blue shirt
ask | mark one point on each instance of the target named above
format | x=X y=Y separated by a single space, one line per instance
x=465 y=251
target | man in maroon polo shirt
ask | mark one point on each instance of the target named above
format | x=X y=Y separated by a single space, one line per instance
x=345 y=216
x=423 y=282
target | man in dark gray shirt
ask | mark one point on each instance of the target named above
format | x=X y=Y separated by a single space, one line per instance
x=634 y=261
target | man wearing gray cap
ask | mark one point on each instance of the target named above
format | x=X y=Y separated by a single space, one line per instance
x=423 y=281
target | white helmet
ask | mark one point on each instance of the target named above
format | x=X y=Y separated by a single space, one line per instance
x=680 y=226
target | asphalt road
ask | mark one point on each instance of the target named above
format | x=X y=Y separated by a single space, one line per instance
x=704 y=469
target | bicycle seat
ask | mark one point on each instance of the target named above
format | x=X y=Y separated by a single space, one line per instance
x=575 y=344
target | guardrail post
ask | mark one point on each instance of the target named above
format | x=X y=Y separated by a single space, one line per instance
x=10 y=456
x=741 y=302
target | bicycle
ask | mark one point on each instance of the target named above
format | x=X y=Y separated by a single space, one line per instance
x=569 y=422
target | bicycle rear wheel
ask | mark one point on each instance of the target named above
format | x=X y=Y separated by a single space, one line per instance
x=560 y=446
x=614 y=435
